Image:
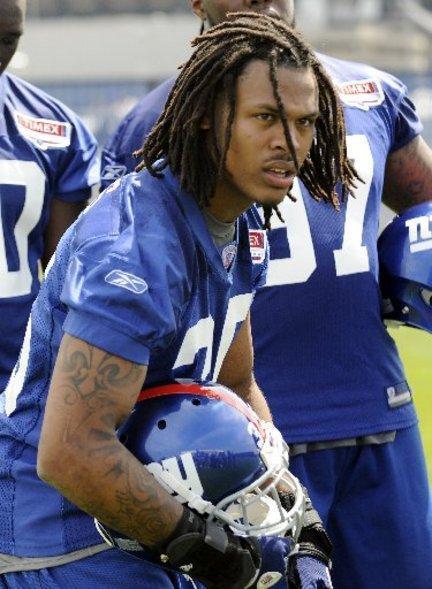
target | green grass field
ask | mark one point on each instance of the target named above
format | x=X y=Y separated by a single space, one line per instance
x=416 y=351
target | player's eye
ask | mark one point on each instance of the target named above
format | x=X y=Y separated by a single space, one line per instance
x=307 y=122
x=265 y=116
x=10 y=40
x=426 y=295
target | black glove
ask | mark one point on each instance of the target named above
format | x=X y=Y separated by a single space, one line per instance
x=211 y=553
x=311 y=558
x=203 y=549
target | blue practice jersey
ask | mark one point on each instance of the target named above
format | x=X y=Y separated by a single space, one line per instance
x=45 y=152
x=139 y=276
x=117 y=156
x=323 y=357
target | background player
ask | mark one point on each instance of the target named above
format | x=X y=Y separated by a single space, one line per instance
x=146 y=289
x=47 y=168
x=331 y=372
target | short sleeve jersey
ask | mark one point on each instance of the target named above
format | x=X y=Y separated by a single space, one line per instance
x=323 y=357
x=139 y=276
x=45 y=152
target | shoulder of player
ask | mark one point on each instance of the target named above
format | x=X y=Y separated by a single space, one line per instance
x=154 y=100
x=143 y=115
x=343 y=71
x=138 y=205
x=34 y=101
x=150 y=105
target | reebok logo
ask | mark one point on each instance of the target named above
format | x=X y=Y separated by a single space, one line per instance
x=398 y=395
x=127 y=281
x=113 y=172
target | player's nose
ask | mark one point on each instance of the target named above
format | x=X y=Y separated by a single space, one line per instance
x=279 y=139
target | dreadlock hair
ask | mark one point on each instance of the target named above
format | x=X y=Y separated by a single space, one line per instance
x=221 y=55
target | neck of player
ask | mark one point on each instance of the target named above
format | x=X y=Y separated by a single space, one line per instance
x=227 y=204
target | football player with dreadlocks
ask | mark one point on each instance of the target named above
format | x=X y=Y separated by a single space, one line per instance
x=331 y=372
x=154 y=283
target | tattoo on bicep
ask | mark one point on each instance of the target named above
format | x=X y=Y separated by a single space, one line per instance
x=95 y=376
x=93 y=383
x=408 y=177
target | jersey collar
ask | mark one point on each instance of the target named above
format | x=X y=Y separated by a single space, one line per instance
x=197 y=224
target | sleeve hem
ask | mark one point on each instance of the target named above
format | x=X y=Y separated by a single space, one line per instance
x=406 y=141
x=106 y=337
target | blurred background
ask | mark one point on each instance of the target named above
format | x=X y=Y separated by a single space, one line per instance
x=101 y=56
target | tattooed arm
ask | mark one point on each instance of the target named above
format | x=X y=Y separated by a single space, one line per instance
x=408 y=176
x=91 y=394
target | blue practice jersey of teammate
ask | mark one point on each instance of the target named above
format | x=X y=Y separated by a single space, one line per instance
x=45 y=151
x=323 y=356
x=139 y=276
x=117 y=156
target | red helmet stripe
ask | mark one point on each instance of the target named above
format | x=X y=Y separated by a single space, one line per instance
x=217 y=392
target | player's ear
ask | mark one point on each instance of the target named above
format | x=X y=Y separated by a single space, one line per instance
x=198 y=9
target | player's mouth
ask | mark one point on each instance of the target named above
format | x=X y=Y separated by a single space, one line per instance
x=279 y=175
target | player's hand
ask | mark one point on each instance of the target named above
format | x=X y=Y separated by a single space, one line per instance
x=219 y=559
x=307 y=572
x=274 y=562
x=285 y=566
x=213 y=555
x=309 y=564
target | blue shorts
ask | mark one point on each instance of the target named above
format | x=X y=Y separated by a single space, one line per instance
x=375 y=503
x=109 y=569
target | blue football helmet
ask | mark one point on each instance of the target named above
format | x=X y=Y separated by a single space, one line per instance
x=209 y=449
x=405 y=256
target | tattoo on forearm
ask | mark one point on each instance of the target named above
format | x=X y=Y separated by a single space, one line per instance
x=90 y=389
x=139 y=503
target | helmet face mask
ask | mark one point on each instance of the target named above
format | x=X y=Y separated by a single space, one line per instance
x=209 y=449
x=257 y=510
x=405 y=256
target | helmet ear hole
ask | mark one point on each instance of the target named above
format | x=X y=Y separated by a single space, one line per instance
x=196 y=402
x=162 y=424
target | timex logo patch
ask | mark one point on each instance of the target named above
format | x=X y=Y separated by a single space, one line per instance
x=362 y=94
x=44 y=133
